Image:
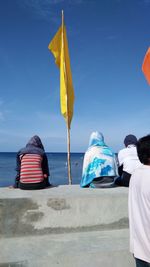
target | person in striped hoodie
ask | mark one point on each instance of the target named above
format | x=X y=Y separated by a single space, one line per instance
x=32 y=166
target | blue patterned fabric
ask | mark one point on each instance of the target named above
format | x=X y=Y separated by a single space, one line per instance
x=99 y=160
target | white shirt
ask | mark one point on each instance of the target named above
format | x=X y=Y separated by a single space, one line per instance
x=139 y=213
x=128 y=158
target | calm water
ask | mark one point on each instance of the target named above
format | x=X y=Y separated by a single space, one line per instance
x=57 y=166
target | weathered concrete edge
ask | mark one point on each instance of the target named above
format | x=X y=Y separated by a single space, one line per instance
x=123 y=224
x=73 y=210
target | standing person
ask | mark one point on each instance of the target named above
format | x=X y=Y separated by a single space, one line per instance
x=128 y=160
x=99 y=165
x=32 y=166
x=139 y=206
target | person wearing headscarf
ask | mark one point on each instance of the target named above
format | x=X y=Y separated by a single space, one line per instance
x=32 y=166
x=99 y=164
x=128 y=160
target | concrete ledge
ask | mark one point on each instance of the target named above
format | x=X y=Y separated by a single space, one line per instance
x=56 y=227
x=62 y=209
x=88 y=249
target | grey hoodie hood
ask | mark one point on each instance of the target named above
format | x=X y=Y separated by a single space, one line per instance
x=36 y=142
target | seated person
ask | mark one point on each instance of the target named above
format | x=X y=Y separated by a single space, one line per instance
x=99 y=164
x=32 y=166
x=128 y=160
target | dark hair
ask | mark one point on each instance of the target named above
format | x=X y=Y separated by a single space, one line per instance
x=143 y=149
x=130 y=140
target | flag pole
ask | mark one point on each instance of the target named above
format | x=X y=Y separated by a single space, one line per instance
x=69 y=163
x=67 y=119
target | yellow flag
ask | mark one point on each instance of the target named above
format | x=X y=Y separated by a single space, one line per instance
x=59 y=47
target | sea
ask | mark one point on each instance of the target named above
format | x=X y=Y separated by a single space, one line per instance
x=57 y=166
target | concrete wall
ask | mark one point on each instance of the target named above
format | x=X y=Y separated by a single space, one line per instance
x=61 y=209
x=64 y=226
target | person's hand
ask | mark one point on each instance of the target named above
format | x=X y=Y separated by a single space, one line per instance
x=45 y=176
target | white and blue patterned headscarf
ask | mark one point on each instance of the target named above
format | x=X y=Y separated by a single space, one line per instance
x=99 y=160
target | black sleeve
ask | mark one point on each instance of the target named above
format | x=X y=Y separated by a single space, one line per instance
x=120 y=170
x=18 y=165
x=45 y=167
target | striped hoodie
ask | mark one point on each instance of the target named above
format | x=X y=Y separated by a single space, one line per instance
x=31 y=171
x=32 y=163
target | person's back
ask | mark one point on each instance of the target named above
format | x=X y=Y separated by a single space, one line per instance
x=32 y=166
x=99 y=162
x=128 y=160
x=139 y=206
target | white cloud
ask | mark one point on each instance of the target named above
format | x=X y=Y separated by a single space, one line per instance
x=1 y=102
x=45 y=116
x=44 y=9
x=1 y=112
x=1 y=116
x=40 y=8
x=5 y=111
x=144 y=2
x=147 y=1
x=111 y=37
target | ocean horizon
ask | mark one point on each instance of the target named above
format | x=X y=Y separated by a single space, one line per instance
x=57 y=166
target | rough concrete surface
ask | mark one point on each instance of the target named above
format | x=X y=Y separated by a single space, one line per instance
x=64 y=226
x=88 y=249
x=62 y=208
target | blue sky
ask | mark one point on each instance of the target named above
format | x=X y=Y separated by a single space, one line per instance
x=107 y=42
